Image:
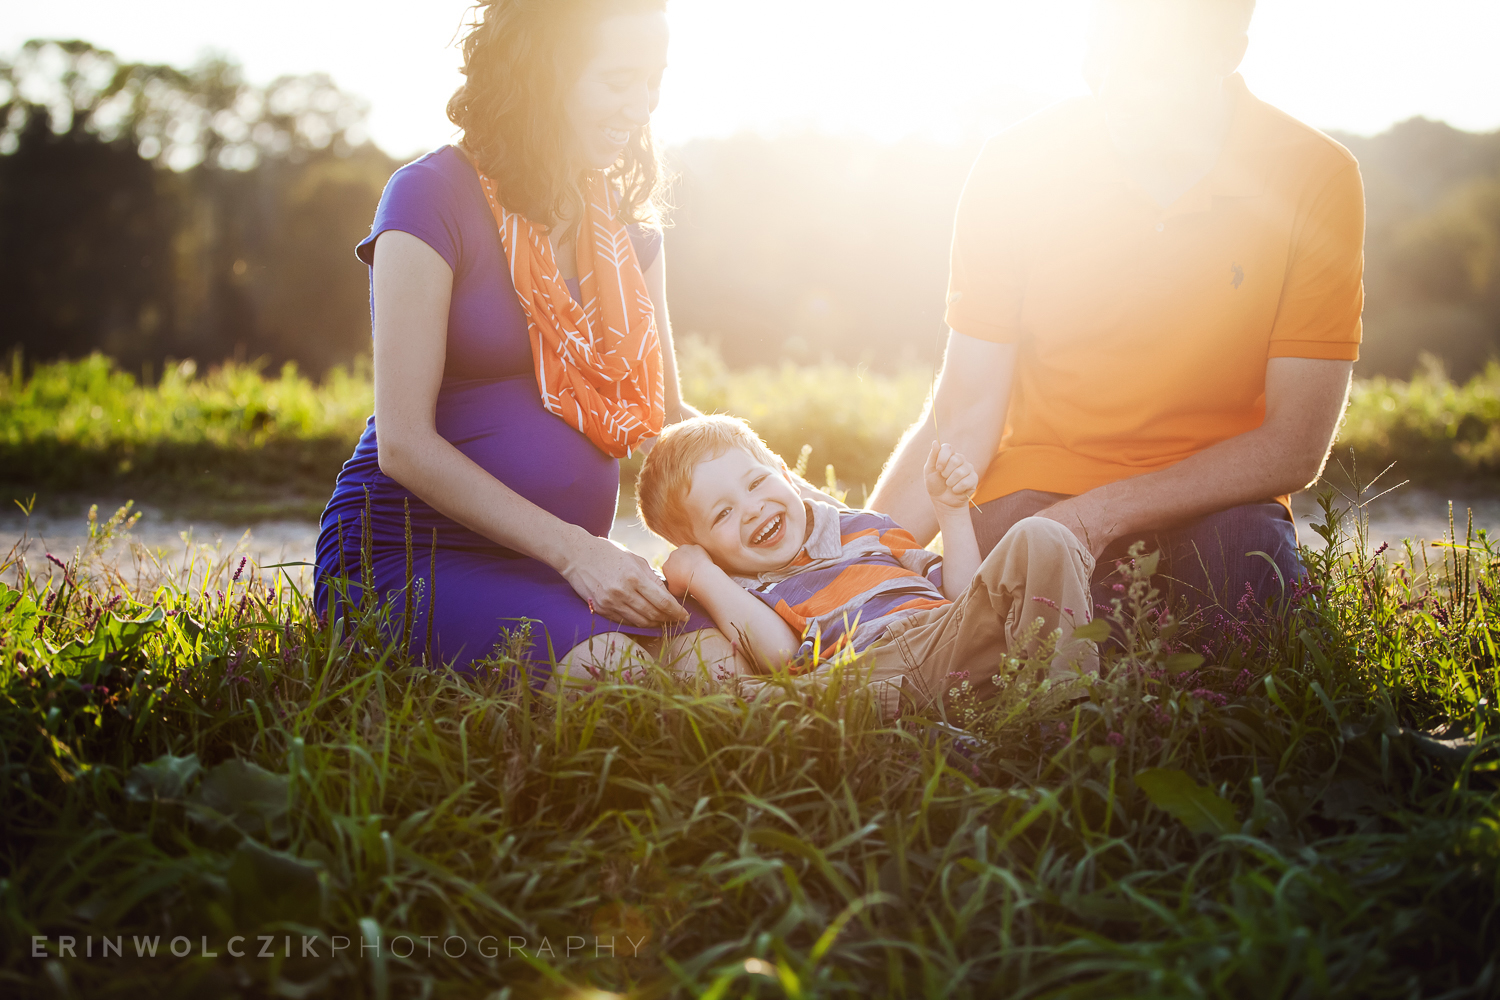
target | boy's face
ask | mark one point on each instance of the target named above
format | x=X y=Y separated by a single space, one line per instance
x=746 y=515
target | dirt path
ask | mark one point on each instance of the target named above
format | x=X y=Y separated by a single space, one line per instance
x=192 y=553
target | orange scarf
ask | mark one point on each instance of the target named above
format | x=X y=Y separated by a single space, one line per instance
x=598 y=365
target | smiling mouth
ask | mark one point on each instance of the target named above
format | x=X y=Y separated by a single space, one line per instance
x=770 y=530
x=617 y=136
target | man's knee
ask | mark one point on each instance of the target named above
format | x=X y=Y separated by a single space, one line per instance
x=1248 y=549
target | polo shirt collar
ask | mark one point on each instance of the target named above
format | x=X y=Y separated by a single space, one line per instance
x=1240 y=171
x=826 y=541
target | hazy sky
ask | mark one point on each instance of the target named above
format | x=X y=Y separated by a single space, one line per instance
x=941 y=67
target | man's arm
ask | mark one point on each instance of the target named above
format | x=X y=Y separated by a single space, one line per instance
x=1305 y=400
x=972 y=398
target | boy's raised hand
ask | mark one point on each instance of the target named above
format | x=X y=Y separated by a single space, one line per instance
x=951 y=478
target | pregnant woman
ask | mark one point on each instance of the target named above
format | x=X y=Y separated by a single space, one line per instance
x=522 y=347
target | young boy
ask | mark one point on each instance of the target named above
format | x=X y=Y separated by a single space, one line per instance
x=786 y=576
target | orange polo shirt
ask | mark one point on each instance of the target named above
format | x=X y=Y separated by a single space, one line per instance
x=1143 y=333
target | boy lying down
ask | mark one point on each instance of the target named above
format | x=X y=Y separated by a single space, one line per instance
x=788 y=577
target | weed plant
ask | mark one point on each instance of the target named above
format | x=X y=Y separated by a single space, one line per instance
x=1292 y=804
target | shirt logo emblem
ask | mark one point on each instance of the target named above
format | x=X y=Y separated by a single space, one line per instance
x=1238 y=274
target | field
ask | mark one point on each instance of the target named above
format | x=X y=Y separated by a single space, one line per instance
x=238 y=444
x=1305 y=806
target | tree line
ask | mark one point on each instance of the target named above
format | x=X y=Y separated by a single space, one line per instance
x=152 y=212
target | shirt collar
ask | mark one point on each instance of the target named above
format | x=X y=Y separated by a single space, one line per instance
x=826 y=540
x=1240 y=171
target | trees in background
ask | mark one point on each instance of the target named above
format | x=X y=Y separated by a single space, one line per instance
x=148 y=212
x=1433 y=246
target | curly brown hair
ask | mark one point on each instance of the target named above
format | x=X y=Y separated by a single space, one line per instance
x=520 y=59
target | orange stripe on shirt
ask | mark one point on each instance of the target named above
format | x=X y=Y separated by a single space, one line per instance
x=898 y=540
x=849 y=584
x=917 y=604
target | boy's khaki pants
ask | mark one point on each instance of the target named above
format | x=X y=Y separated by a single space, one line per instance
x=1038 y=570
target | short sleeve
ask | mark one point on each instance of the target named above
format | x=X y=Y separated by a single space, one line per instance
x=1323 y=294
x=420 y=200
x=647 y=242
x=986 y=280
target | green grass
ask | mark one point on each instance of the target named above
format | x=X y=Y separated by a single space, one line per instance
x=1432 y=427
x=1309 y=811
x=236 y=444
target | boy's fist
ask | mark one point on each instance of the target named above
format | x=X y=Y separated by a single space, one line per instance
x=683 y=563
x=951 y=479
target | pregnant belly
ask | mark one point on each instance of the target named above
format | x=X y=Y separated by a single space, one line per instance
x=504 y=429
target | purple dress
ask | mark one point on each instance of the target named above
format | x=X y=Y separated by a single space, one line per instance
x=489 y=408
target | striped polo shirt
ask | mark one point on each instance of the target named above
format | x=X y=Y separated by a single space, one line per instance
x=858 y=572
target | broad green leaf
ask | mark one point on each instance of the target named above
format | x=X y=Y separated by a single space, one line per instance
x=113 y=636
x=166 y=777
x=250 y=797
x=272 y=886
x=1202 y=810
x=1181 y=663
x=1096 y=630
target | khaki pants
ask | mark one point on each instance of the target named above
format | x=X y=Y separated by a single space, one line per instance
x=1038 y=570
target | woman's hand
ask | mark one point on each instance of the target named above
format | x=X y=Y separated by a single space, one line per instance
x=620 y=585
x=951 y=479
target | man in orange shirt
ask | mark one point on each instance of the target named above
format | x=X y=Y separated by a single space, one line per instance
x=1154 y=307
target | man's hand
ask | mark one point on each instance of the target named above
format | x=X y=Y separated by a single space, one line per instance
x=683 y=565
x=950 y=478
x=1086 y=518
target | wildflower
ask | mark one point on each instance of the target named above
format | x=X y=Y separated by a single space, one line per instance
x=1212 y=697
x=57 y=562
x=1383 y=547
x=1119 y=588
x=238 y=570
x=1115 y=739
x=1047 y=601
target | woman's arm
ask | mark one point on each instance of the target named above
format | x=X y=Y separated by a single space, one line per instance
x=656 y=287
x=413 y=287
x=740 y=616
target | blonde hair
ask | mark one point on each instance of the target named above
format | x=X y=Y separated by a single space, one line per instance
x=667 y=473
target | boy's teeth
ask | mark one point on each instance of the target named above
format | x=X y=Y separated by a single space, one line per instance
x=767 y=531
